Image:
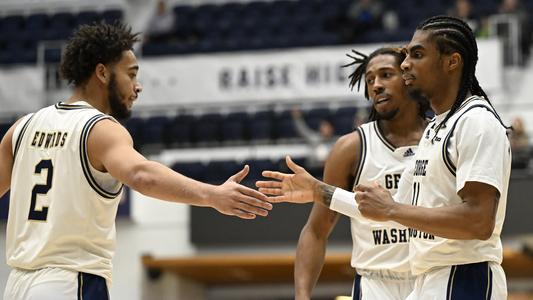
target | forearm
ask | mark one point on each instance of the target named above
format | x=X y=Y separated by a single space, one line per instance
x=158 y=181
x=310 y=255
x=458 y=222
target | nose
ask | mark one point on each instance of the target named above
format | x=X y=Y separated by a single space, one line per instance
x=406 y=64
x=138 y=88
x=378 y=87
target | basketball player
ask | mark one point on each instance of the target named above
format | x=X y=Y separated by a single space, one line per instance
x=461 y=174
x=460 y=179
x=378 y=150
x=65 y=166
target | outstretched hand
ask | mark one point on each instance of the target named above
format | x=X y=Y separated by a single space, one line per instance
x=299 y=187
x=234 y=199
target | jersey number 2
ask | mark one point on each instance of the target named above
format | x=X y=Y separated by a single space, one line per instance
x=40 y=215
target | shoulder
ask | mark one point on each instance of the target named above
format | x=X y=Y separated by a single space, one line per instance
x=480 y=118
x=107 y=129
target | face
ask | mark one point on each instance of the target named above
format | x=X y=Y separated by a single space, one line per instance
x=123 y=88
x=385 y=85
x=423 y=70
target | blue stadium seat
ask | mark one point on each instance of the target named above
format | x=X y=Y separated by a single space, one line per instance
x=194 y=170
x=61 y=26
x=314 y=116
x=216 y=172
x=153 y=130
x=134 y=126
x=12 y=27
x=284 y=126
x=86 y=17
x=36 y=25
x=261 y=126
x=207 y=129
x=234 y=127
x=179 y=130
x=110 y=16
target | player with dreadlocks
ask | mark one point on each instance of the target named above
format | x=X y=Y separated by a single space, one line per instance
x=461 y=174
x=377 y=151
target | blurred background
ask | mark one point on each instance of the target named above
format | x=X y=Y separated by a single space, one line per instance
x=233 y=82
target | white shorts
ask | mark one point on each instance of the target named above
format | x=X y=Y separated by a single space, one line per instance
x=485 y=280
x=373 y=288
x=54 y=284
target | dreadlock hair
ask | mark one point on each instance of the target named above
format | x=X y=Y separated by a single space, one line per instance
x=454 y=35
x=94 y=44
x=357 y=75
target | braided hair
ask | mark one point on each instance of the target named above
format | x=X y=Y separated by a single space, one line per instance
x=454 y=35
x=357 y=75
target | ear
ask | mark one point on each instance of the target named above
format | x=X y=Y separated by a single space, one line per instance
x=102 y=73
x=454 y=62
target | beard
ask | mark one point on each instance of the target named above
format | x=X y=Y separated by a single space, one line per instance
x=388 y=115
x=119 y=110
x=417 y=95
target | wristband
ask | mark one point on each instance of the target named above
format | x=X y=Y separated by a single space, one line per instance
x=343 y=202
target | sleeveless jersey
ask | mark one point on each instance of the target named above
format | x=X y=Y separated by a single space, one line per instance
x=62 y=210
x=471 y=146
x=380 y=246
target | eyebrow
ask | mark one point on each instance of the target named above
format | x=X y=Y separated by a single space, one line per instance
x=415 y=47
x=381 y=69
x=136 y=68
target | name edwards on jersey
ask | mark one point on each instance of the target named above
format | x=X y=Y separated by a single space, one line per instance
x=396 y=235
x=47 y=140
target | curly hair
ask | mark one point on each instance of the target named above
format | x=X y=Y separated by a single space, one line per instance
x=94 y=44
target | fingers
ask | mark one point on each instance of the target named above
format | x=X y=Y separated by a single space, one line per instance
x=253 y=197
x=278 y=199
x=268 y=184
x=292 y=165
x=245 y=206
x=243 y=215
x=362 y=188
x=274 y=175
x=243 y=190
x=239 y=176
x=270 y=191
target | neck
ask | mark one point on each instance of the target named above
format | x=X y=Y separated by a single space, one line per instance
x=445 y=95
x=404 y=129
x=91 y=95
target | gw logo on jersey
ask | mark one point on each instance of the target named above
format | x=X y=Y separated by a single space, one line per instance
x=391 y=181
x=420 y=167
x=47 y=140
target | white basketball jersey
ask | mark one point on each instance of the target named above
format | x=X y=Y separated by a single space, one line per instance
x=61 y=211
x=380 y=245
x=472 y=146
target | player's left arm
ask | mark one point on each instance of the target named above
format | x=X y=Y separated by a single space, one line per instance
x=480 y=179
x=6 y=160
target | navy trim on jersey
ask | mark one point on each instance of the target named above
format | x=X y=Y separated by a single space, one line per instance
x=21 y=134
x=64 y=106
x=362 y=157
x=84 y=158
x=470 y=282
x=382 y=137
x=91 y=287
x=357 y=292
x=445 y=153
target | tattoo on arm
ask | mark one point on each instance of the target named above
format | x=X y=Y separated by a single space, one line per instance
x=325 y=193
